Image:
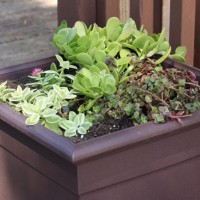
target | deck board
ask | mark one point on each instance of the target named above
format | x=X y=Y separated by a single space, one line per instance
x=26 y=30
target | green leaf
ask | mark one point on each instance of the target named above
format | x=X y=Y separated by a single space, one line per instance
x=59 y=39
x=129 y=46
x=80 y=29
x=148 y=98
x=53 y=119
x=41 y=103
x=84 y=41
x=140 y=41
x=108 y=79
x=165 y=81
x=127 y=30
x=158 y=69
x=95 y=40
x=53 y=127
x=72 y=115
x=109 y=89
x=160 y=60
x=136 y=115
x=181 y=51
x=29 y=109
x=144 y=50
x=113 y=52
x=177 y=58
x=159 y=118
x=181 y=90
x=76 y=85
x=68 y=50
x=66 y=124
x=115 y=74
x=63 y=25
x=162 y=36
x=95 y=80
x=95 y=92
x=124 y=53
x=80 y=49
x=86 y=82
x=70 y=132
x=123 y=61
x=86 y=125
x=113 y=48
x=112 y=28
x=72 y=34
x=94 y=69
x=49 y=112
x=79 y=119
x=81 y=130
x=102 y=66
x=84 y=58
x=53 y=67
x=181 y=82
x=33 y=119
x=100 y=56
x=60 y=59
x=164 y=46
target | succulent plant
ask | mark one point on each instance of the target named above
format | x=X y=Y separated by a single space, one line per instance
x=106 y=72
x=76 y=123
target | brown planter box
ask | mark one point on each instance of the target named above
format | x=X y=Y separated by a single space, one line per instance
x=147 y=162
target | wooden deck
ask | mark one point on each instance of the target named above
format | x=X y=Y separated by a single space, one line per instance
x=26 y=30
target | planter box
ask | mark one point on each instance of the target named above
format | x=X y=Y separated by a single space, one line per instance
x=147 y=162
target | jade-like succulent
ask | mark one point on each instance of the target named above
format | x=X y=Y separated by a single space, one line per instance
x=94 y=84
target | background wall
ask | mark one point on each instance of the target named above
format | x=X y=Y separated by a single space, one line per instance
x=180 y=17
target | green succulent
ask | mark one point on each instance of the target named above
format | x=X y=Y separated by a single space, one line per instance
x=55 y=76
x=39 y=110
x=93 y=84
x=76 y=124
x=5 y=92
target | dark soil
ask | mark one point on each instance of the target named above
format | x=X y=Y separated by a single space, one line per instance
x=21 y=81
x=104 y=127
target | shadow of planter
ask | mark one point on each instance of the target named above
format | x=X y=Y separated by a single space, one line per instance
x=151 y=161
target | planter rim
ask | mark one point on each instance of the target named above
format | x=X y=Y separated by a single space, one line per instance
x=21 y=67
x=88 y=149
x=76 y=153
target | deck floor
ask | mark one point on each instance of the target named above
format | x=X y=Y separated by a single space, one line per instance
x=26 y=30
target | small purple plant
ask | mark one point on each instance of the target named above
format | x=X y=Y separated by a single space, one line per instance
x=36 y=71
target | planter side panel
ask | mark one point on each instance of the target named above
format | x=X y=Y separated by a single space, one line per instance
x=160 y=185
x=39 y=158
x=19 y=181
x=144 y=159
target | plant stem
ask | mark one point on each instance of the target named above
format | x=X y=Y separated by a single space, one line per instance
x=153 y=95
x=90 y=104
x=193 y=84
x=171 y=87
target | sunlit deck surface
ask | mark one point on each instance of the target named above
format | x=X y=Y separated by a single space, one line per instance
x=26 y=30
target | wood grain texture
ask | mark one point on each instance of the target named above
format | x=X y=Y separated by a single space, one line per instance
x=124 y=6
x=106 y=9
x=72 y=11
x=197 y=36
x=147 y=13
x=188 y=28
x=26 y=30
